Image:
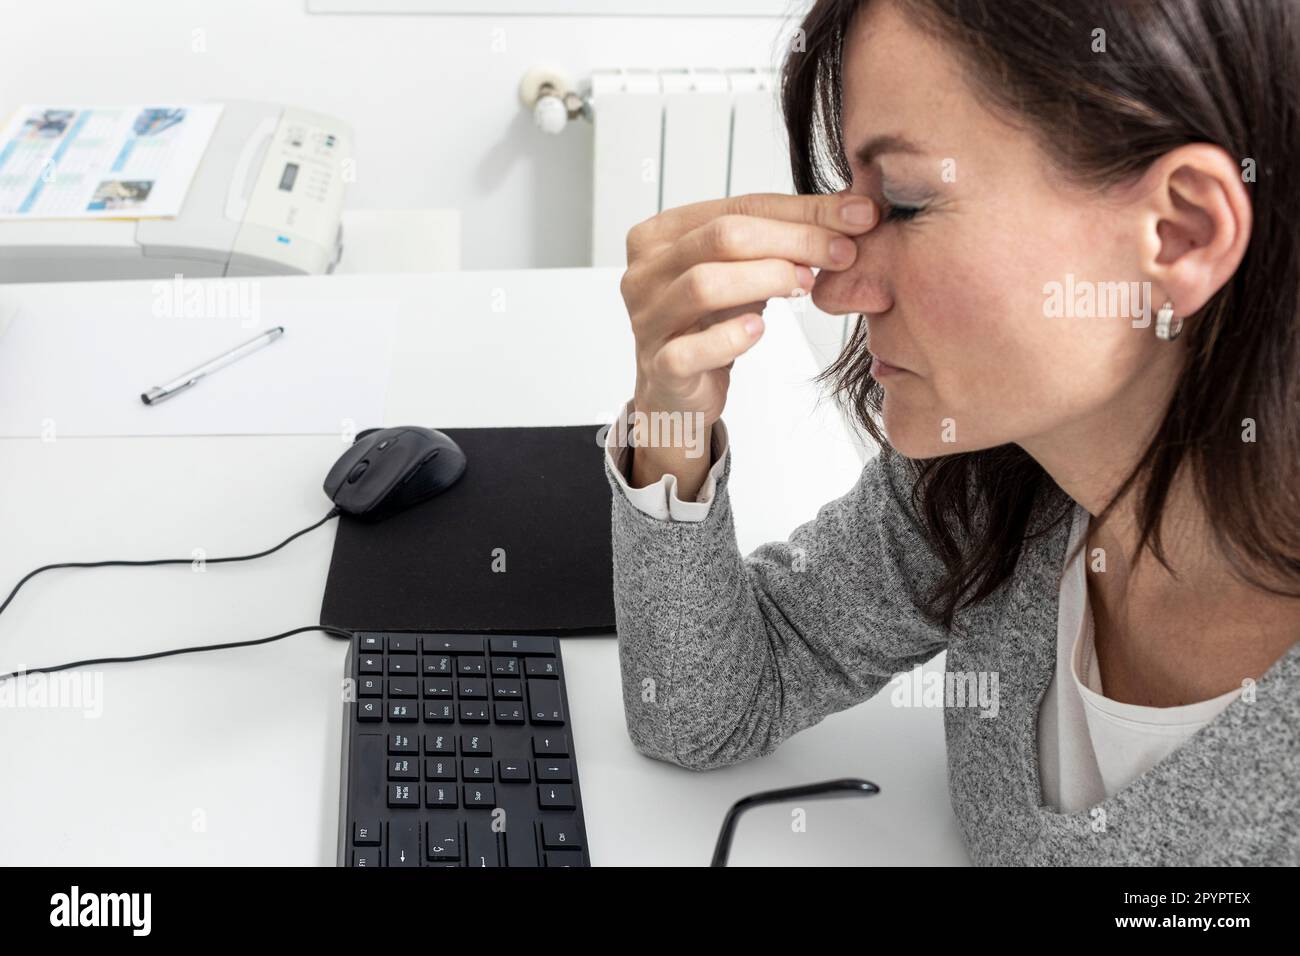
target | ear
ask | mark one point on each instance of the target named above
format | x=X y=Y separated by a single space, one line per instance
x=1196 y=218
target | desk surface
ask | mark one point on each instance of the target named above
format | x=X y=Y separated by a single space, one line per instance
x=233 y=757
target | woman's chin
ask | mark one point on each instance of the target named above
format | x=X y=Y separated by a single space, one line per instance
x=906 y=434
x=916 y=436
x=909 y=448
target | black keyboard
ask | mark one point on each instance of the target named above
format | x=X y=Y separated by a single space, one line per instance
x=457 y=752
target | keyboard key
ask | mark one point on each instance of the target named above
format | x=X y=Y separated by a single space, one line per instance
x=551 y=745
x=402 y=712
x=505 y=666
x=472 y=689
x=475 y=770
x=507 y=690
x=522 y=646
x=404 y=768
x=439 y=795
x=481 y=844
x=370 y=687
x=435 y=665
x=401 y=687
x=510 y=713
x=404 y=843
x=544 y=702
x=401 y=644
x=554 y=771
x=367 y=857
x=477 y=744
x=370 y=664
x=473 y=713
x=401 y=744
x=439 y=744
x=437 y=688
x=452 y=644
x=555 y=797
x=398 y=664
x=371 y=643
x=471 y=666
x=438 y=713
x=514 y=771
x=366 y=782
x=563 y=858
x=480 y=795
x=436 y=769
x=369 y=710
x=365 y=832
x=403 y=795
x=559 y=834
x=523 y=851
x=542 y=667
x=442 y=838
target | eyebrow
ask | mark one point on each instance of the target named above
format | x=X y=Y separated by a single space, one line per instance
x=865 y=154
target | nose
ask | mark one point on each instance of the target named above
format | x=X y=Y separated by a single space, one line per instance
x=859 y=288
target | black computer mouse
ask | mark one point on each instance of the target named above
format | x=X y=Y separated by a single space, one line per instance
x=388 y=470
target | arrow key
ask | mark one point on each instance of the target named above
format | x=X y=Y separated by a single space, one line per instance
x=404 y=843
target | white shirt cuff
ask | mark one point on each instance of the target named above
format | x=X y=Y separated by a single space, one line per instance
x=659 y=500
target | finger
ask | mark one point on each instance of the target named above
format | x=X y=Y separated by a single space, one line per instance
x=714 y=318
x=716 y=347
x=732 y=237
x=715 y=286
x=829 y=210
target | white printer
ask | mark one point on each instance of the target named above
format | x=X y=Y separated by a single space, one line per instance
x=267 y=199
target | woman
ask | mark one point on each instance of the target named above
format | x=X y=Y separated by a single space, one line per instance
x=1090 y=496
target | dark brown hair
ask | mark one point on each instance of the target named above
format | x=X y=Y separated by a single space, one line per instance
x=1174 y=72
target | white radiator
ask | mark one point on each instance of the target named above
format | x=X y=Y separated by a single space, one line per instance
x=664 y=138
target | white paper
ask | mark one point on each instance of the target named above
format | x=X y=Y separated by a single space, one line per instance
x=128 y=162
x=82 y=375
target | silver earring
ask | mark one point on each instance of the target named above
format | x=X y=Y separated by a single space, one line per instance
x=1167 y=325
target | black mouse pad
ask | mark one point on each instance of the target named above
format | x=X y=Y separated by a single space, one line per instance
x=520 y=544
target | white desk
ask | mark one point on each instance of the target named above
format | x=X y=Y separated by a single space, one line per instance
x=233 y=757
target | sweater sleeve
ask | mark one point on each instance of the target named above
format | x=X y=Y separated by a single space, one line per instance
x=724 y=656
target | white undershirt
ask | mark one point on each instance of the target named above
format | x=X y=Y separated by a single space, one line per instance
x=1089 y=746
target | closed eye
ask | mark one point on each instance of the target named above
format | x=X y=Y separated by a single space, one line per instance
x=899 y=213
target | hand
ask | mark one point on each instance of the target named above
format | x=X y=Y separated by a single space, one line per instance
x=697 y=280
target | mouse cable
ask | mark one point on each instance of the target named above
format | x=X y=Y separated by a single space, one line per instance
x=334 y=513
x=332 y=631
x=324 y=628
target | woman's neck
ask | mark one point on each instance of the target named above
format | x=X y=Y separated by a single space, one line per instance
x=1168 y=637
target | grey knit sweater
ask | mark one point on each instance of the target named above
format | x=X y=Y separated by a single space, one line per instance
x=724 y=656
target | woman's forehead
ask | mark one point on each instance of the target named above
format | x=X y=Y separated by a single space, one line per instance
x=895 y=76
x=903 y=86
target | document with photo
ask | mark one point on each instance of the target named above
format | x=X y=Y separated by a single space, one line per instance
x=128 y=162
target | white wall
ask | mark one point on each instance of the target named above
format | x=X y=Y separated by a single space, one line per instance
x=432 y=99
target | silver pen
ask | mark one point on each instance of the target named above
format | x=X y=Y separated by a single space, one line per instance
x=161 y=392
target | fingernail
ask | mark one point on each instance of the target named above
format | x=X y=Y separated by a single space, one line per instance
x=843 y=251
x=858 y=213
x=754 y=325
x=804 y=275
